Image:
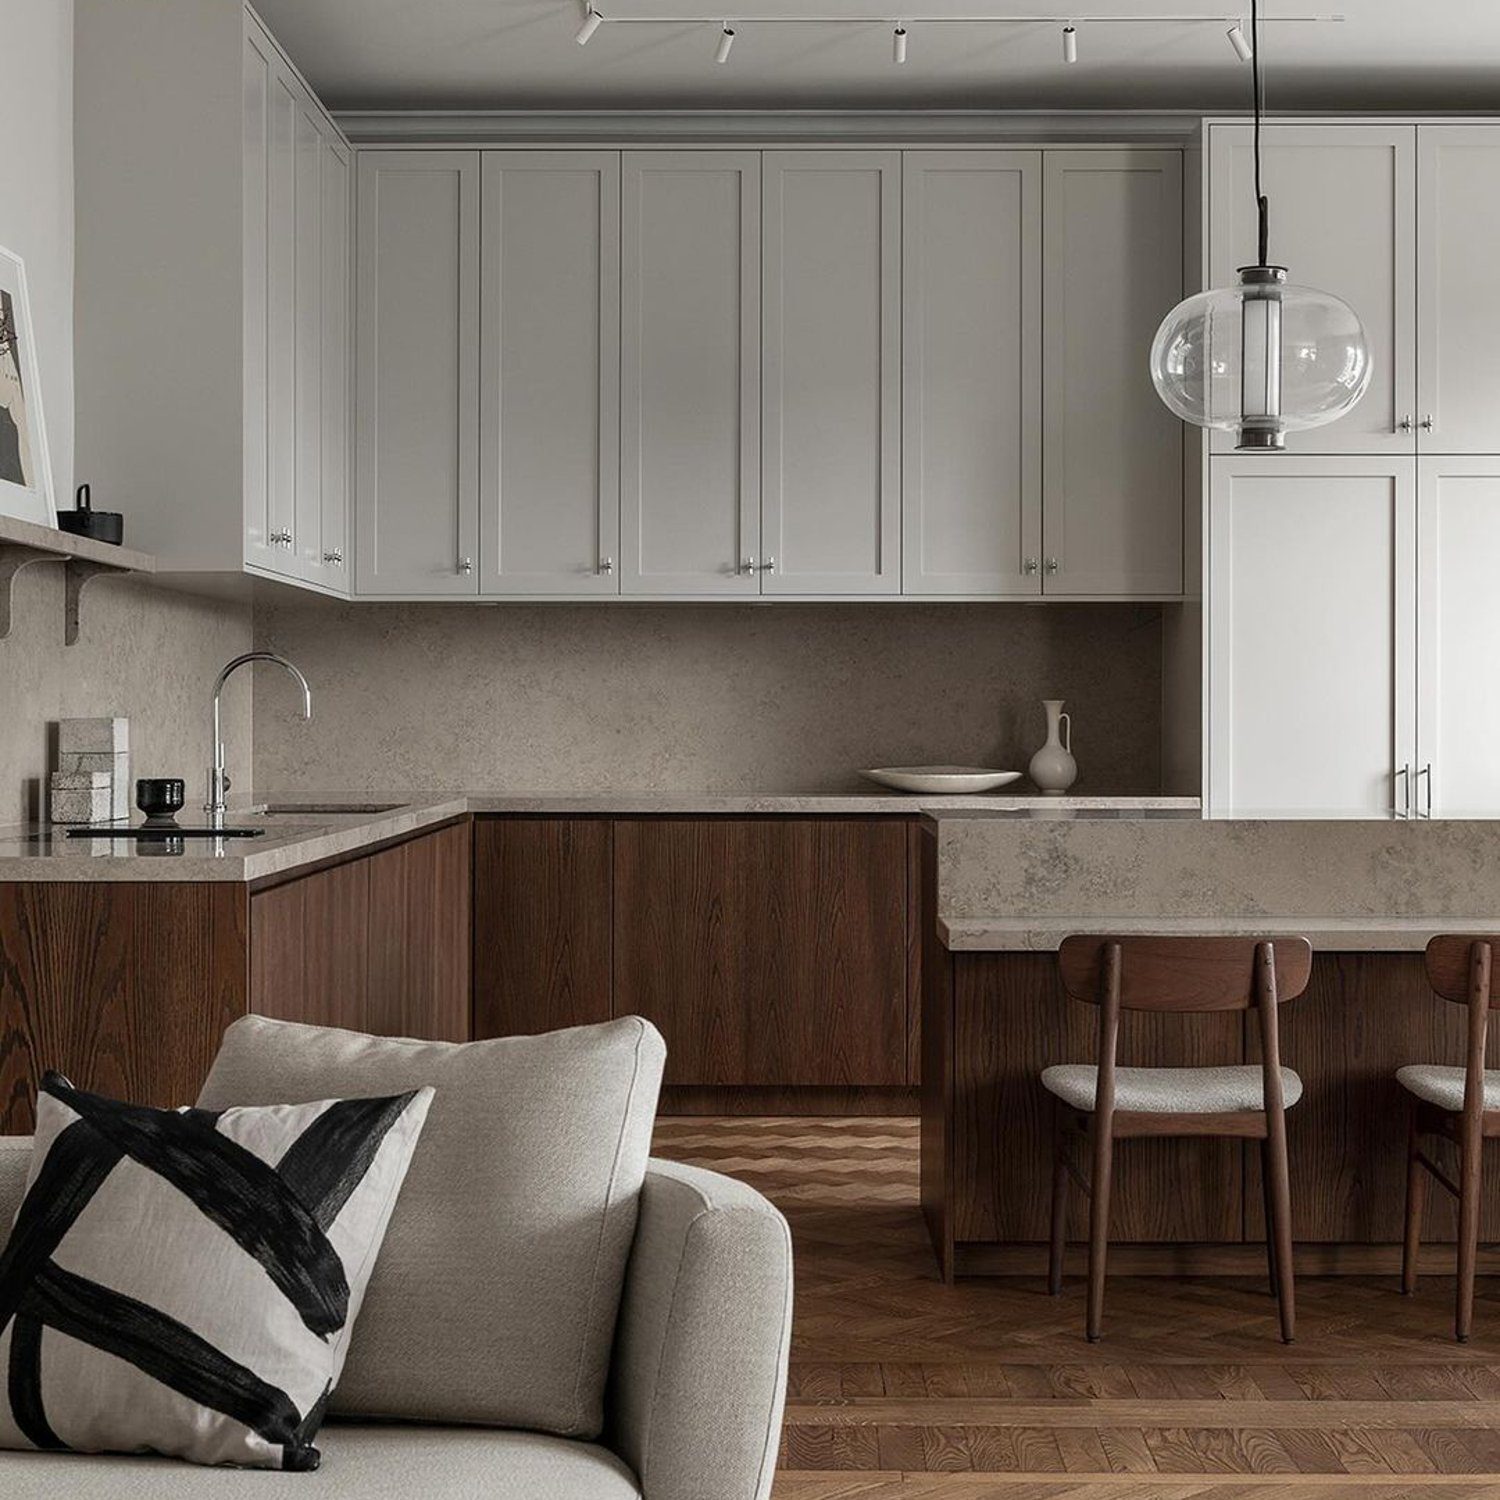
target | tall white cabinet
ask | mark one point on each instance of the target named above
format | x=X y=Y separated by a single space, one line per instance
x=226 y=287
x=1350 y=624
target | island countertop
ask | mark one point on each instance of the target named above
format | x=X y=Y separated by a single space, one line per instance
x=1347 y=886
x=298 y=837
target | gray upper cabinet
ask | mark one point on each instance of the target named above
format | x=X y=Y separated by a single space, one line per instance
x=972 y=302
x=417 y=382
x=1458 y=292
x=690 y=373
x=831 y=346
x=549 y=483
x=1343 y=217
x=1112 y=452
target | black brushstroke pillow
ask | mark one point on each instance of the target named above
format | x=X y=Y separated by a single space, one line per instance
x=186 y=1281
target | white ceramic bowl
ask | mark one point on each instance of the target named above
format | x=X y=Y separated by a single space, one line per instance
x=937 y=781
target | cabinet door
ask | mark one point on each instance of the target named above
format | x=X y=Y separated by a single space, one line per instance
x=768 y=951
x=1458 y=293
x=335 y=183
x=417 y=385
x=831 y=415
x=1312 y=635
x=690 y=372
x=1112 y=453
x=281 y=324
x=307 y=529
x=1458 y=637
x=1343 y=215
x=543 y=889
x=260 y=525
x=972 y=426
x=550 y=381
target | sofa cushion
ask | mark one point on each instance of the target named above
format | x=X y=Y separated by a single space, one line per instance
x=359 y=1463
x=495 y=1297
x=185 y=1282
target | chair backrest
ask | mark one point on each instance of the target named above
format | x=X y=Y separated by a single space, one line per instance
x=1453 y=965
x=1183 y=973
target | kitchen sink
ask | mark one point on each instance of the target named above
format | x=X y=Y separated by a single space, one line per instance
x=325 y=809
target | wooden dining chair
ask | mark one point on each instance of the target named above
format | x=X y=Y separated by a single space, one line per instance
x=1458 y=1105
x=1105 y=1103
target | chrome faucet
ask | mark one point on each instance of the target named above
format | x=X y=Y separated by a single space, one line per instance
x=218 y=781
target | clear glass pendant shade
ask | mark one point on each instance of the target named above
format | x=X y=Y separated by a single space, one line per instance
x=1261 y=358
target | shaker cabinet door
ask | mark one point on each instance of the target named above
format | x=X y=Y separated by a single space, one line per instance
x=831 y=345
x=334 y=562
x=972 y=357
x=417 y=385
x=1458 y=637
x=1458 y=292
x=690 y=373
x=1112 y=452
x=550 y=373
x=1312 y=673
x=1343 y=219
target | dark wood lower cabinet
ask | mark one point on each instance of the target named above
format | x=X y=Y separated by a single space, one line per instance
x=769 y=951
x=543 y=898
x=127 y=987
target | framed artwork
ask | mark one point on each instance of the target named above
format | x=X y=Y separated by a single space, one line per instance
x=25 y=472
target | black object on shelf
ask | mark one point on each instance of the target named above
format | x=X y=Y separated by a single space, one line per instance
x=161 y=799
x=97 y=525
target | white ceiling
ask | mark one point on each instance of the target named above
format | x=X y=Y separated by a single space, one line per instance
x=520 y=54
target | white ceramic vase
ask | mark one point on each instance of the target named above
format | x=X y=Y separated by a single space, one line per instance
x=1053 y=768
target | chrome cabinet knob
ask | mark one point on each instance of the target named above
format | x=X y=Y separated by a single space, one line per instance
x=1402 y=808
x=768 y=566
x=1426 y=772
x=1029 y=566
x=748 y=566
x=1405 y=424
x=466 y=565
x=1051 y=566
x=336 y=557
x=1427 y=422
x=606 y=565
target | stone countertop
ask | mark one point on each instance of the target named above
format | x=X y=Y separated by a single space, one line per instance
x=295 y=837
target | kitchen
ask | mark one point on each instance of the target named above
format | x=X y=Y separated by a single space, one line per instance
x=629 y=454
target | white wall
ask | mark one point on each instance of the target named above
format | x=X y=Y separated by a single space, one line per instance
x=36 y=198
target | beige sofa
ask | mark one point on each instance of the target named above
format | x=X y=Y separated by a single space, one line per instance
x=697 y=1382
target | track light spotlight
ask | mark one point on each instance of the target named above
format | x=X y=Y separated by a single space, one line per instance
x=726 y=41
x=898 y=45
x=1239 y=42
x=592 y=21
x=1070 y=44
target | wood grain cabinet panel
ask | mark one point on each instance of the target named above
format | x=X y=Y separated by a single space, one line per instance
x=309 y=947
x=542 y=931
x=768 y=951
x=125 y=988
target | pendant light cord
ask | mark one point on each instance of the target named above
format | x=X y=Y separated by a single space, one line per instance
x=1261 y=205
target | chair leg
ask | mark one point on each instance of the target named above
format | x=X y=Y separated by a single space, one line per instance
x=1416 y=1199
x=1059 y=1201
x=1102 y=1143
x=1281 y=1224
x=1265 y=1185
x=1470 y=1170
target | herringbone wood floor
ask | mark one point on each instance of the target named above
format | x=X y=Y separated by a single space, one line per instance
x=903 y=1389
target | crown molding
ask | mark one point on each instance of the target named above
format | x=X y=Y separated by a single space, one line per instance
x=652 y=127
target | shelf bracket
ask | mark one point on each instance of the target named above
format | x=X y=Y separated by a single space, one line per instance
x=14 y=556
x=80 y=573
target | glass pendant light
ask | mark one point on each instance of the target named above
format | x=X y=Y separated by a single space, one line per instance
x=1262 y=358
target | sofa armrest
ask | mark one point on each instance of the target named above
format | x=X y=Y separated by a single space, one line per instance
x=698 y=1379
x=15 y=1162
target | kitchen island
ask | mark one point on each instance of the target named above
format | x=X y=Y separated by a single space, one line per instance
x=1000 y=895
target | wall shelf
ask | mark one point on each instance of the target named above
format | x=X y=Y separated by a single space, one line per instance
x=23 y=543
